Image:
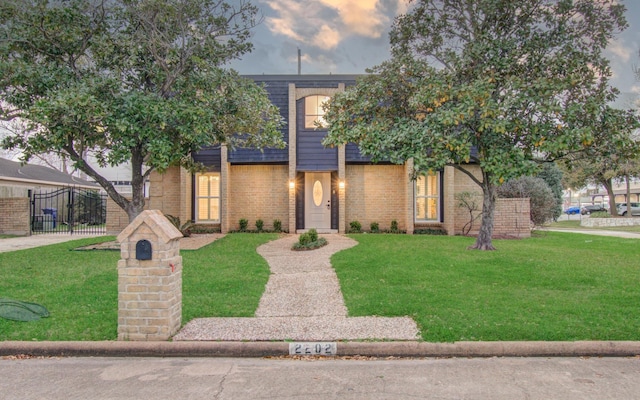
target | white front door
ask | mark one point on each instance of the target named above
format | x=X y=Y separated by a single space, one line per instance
x=317 y=196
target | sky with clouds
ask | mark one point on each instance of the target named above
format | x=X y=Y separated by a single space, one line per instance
x=348 y=36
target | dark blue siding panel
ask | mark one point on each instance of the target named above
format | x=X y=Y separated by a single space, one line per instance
x=312 y=155
x=278 y=91
x=353 y=155
x=210 y=157
x=278 y=88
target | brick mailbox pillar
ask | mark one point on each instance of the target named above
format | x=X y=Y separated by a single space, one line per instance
x=149 y=279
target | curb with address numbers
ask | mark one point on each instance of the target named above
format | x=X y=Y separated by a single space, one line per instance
x=313 y=349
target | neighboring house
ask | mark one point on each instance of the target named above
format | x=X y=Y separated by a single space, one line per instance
x=18 y=185
x=306 y=185
x=17 y=179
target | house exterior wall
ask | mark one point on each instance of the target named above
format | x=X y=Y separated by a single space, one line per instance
x=376 y=193
x=458 y=183
x=269 y=184
x=257 y=192
x=170 y=192
x=117 y=218
x=14 y=216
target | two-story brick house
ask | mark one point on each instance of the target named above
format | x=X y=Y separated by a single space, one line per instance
x=306 y=185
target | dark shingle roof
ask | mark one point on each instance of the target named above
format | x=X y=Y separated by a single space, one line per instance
x=12 y=170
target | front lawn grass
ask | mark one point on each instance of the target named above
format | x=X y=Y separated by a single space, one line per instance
x=226 y=278
x=554 y=286
x=80 y=288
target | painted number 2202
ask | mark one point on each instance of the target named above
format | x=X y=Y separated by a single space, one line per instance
x=312 y=349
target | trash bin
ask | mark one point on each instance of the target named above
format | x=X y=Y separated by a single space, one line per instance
x=37 y=223
x=54 y=214
x=48 y=223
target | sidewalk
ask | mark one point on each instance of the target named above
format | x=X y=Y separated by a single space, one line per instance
x=597 y=232
x=28 y=242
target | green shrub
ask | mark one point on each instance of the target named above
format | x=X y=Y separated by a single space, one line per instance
x=374 y=227
x=394 y=226
x=243 y=225
x=313 y=235
x=309 y=241
x=356 y=227
x=185 y=228
x=429 y=231
x=600 y=214
x=205 y=228
x=277 y=225
x=259 y=225
x=305 y=239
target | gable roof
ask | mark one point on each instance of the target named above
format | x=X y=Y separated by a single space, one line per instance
x=29 y=173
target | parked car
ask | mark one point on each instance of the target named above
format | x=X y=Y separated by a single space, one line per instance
x=590 y=208
x=622 y=209
x=572 y=210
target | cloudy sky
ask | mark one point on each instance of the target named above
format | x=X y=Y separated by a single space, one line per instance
x=348 y=36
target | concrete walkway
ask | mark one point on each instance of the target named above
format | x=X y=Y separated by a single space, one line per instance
x=302 y=301
x=28 y=242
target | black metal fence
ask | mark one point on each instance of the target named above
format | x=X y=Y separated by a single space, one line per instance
x=68 y=211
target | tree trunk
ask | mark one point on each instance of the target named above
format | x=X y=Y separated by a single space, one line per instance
x=627 y=197
x=608 y=184
x=136 y=205
x=132 y=207
x=483 y=241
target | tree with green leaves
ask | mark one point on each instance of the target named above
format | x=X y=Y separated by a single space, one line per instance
x=130 y=81
x=552 y=175
x=492 y=83
x=614 y=154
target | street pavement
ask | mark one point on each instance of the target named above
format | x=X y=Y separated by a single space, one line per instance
x=285 y=378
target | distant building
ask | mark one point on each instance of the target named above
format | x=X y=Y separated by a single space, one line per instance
x=17 y=179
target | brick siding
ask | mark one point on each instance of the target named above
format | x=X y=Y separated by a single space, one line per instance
x=511 y=219
x=258 y=192
x=376 y=193
x=14 y=216
x=169 y=192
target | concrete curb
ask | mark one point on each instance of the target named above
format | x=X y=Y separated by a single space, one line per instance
x=274 y=349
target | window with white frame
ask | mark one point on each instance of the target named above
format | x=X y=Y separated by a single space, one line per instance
x=208 y=197
x=428 y=198
x=313 y=112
